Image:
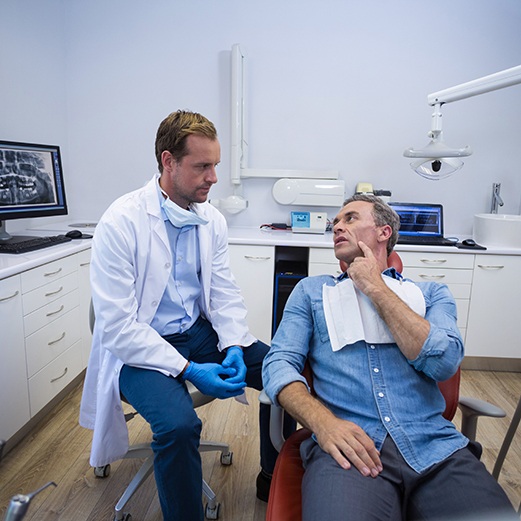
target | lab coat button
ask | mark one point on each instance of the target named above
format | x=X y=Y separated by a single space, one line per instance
x=154 y=303
x=167 y=266
x=118 y=407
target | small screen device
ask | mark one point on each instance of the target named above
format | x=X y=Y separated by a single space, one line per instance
x=308 y=222
x=31 y=183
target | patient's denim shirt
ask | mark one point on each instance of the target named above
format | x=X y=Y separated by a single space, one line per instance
x=374 y=386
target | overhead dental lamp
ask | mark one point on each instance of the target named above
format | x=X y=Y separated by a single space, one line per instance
x=437 y=160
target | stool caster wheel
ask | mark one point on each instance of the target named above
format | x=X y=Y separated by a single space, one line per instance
x=102 y=472
x=226 y=459
x=126 y=517
x=212 y=513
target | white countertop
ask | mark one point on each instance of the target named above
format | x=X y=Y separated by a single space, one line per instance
x=12 y=264
x=258 y=236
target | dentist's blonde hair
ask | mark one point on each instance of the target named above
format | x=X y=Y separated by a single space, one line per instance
x=175 y=128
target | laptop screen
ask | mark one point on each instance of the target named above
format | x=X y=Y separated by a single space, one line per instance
x=419 y=220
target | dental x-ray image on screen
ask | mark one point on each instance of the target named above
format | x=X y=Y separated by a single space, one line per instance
x=26 y=178
x=31 y=182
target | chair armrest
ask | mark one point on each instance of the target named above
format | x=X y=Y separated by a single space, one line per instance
x=471 y=410
x=276 y=421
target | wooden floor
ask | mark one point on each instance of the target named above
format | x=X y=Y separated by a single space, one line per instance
x=58 y=449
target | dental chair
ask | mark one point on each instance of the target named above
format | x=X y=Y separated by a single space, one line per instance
x=144 y=451
x=285 y=499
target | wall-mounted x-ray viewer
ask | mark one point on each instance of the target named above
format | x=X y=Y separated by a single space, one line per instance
x=309 y=192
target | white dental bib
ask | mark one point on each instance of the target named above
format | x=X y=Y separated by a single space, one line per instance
x=351 y=316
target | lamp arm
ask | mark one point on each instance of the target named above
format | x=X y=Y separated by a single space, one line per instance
x=498 y=80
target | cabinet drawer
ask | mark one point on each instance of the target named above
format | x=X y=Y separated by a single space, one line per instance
x=445 y=276
x=323 y=255
x=48 y=272
x=47 y=314
x=51 y=292
x=437 y=260
x=50 y=341
x=53 y=378
x=317 y=268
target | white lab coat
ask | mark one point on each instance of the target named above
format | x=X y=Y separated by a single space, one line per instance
x=130 y=267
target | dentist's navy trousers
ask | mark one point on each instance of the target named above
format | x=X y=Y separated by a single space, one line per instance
x=164 y=402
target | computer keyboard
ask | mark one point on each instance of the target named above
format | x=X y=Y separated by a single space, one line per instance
x=32 y=243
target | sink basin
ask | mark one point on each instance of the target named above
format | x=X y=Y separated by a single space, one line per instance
x=500 y=230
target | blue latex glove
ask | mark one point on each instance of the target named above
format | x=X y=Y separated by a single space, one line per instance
x=208 y=379
x=235 y=360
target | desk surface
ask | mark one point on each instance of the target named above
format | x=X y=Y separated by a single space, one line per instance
x=258 y=236
x=13 y=264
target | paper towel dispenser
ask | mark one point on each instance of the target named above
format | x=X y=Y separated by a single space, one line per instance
x=309 y=192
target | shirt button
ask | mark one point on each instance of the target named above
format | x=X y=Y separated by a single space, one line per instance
x=372 y=347
x=387 y=419
x=376 y=370
x=381 y=395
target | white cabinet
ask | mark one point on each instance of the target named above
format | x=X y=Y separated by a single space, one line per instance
x=50 y=299
x=452 y=269
x=44 y=324
x=253 y=268
x=84 y=297
x=14 y=401
x=494 y=308
x=322 y=261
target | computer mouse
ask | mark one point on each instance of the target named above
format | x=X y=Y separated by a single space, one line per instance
x=74 y=234
x=468 y=242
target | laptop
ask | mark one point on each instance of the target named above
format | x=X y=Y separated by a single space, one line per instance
x=421 y=224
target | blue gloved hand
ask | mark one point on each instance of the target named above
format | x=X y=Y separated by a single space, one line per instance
x=235 y=360
x=208 y=379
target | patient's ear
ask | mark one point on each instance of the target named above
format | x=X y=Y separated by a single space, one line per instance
x=384 y=233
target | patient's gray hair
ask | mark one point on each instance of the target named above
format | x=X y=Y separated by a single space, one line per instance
x=383 y=214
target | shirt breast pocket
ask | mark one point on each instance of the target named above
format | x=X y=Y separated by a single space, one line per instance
x=320 y=321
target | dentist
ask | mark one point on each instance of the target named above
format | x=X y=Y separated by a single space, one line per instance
x=168 y=310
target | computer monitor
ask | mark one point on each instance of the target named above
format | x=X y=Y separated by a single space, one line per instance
x=31 y=183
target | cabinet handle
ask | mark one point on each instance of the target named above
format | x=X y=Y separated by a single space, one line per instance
x=61 y=376
x=84 y=264
x=433 y=261
x=50 y=314
x=54 y=292
x=253 y=258
x=51 y=273
x=52 y=342
x=3 y=299
x=490 y=267
x=432 y=277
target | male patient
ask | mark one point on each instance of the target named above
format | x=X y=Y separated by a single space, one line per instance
x=377 y=346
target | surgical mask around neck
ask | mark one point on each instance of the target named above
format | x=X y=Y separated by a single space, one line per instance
x=180 y=217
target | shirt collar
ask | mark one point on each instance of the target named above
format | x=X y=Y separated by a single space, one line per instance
x=390 y=272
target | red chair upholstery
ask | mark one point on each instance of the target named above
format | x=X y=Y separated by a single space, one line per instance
x=285 y=500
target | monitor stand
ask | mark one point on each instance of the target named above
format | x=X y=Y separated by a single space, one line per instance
x=7 y=237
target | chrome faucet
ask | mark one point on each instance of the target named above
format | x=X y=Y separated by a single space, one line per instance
x=496 y=198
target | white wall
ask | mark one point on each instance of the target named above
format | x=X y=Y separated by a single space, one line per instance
x=33 y=77
x=335 y=84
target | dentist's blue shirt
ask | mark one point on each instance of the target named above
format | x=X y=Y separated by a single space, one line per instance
x=374 y=386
